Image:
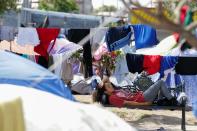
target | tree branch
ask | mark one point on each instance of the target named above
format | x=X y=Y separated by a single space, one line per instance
x=163 y=22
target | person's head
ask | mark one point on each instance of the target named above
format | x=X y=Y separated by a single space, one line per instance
x=101 y=94
x=108 y=88
x=97 y=71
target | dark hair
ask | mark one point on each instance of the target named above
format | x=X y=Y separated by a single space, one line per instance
x=100 y=96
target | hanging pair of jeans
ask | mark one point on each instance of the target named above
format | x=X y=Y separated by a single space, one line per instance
x=117 y=37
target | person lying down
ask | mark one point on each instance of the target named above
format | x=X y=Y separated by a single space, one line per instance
x=120 y=97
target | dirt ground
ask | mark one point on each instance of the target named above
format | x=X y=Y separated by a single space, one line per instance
x=150 y=120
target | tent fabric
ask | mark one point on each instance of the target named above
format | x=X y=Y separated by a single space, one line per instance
x=145 y=36
x=20 y=71
x=46 y=112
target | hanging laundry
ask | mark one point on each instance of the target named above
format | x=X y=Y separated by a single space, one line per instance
x=151 y=63
x=76 y=66
x=186 y=66
x=145 y=36
x=162 y=48
x=58 y=60
x=188 y=19
x=117 y=37
x=100 y=51
x=76 y=35
x=46 y=35
x=27 y=35
x=41 y=60
x=167 y=62
x=7 y=33
x=135 y=62
x=67 y=71
x=185 y=46
x=121 y=69
x=97 y=37
x=173 y=81
x=63 y=46
x=190 y=88
x=183 y=13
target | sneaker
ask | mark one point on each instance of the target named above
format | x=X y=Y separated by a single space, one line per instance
x=173 y=102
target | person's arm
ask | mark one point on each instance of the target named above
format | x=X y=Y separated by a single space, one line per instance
x=133 y=103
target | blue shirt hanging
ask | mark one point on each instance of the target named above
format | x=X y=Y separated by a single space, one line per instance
x=117 y=37
x=145 y=36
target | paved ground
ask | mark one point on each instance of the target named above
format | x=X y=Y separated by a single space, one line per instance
x=150 y=120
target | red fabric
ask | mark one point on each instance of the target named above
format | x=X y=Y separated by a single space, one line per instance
x=46 y=35
x=183 y=14
x=119 y=96
x=176 y=36
x=151 y=63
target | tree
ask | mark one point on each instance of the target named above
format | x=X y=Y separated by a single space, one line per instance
x=161 y=21
x=106 y=8
x=7 y=5
x=59 y=5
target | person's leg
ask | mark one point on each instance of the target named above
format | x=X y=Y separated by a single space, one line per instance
x=164 y=91
x=151 y=93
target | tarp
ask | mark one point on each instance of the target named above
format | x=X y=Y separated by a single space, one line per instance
x=20 y=71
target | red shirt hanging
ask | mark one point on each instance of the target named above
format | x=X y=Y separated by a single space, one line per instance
x=46 y=35
x=151 y=63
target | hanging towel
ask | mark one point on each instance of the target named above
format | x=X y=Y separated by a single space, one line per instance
x=135 y=62
x=7 y=33
x=167 y=62
x=117 y=37
x=46 y=35
x=11 y=115
x=186 y=66
x=151 y=63
x=27 y=35
x=145 y=36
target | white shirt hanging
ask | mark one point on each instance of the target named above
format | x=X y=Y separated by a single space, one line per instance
x=27 y=35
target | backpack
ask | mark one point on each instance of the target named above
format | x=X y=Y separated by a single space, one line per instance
x=143 y=82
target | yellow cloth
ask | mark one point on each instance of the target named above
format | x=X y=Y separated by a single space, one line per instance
x=11 y=116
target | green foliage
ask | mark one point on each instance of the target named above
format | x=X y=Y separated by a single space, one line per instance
x=59 y=5
x=6 y=5
x=170 y=5
x=106 y=8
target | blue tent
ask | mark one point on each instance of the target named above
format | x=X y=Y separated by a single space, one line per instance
x=20 y=71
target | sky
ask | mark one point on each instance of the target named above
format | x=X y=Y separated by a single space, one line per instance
x=117 y=3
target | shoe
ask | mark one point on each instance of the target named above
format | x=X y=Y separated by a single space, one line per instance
x=173 y=102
